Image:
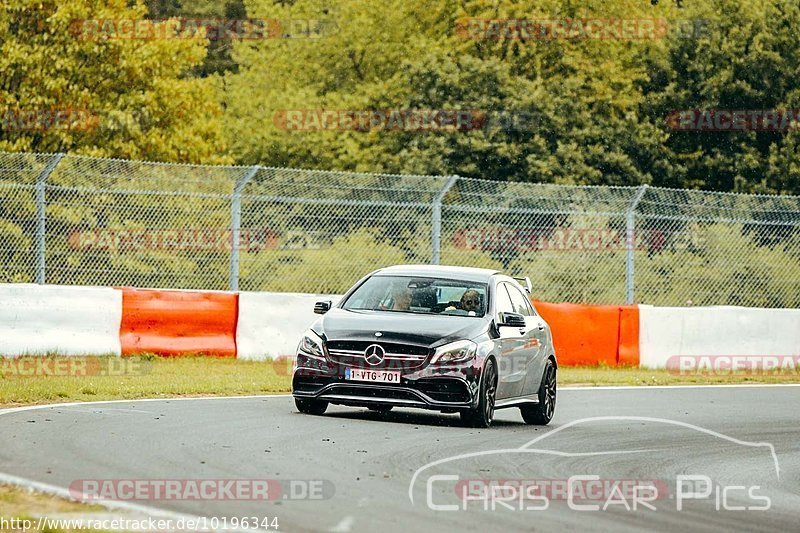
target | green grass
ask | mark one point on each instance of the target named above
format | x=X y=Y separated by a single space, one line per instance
x=141 y=377
x=26 y=505
x=156 y=377
x=596 y=376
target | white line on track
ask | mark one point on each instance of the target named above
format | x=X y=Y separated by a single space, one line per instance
x=11 y=410
x=648 y=387
x=52 y=490
x=344 y=525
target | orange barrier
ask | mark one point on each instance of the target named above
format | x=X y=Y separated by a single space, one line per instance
x=628 y=344
x=178 y=322
x=593 y=334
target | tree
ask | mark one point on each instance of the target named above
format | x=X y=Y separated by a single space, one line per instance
x=749 y=61
x=86 y=89
x=218 y=59
x=578 y=101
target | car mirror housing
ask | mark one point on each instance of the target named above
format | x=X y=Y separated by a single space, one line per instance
x=322 y=307
x=511 y=320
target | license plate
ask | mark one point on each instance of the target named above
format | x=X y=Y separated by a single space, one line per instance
x=380 y=376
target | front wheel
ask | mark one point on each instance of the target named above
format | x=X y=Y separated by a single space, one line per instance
x=541 y=414
x=482 y=416
x=310 y=406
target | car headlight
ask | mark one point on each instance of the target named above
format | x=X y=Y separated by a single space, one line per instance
x=311 y=344
x=455 y=352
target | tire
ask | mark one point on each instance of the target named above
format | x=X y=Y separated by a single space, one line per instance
x=482 y=416
x=309 y=406
x=383 y=409
x=541 y=413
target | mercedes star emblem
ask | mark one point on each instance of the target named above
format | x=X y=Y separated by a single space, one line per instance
x=374 y=354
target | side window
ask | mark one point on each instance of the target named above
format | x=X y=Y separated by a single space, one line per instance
x=521 y=303
x=504 y=304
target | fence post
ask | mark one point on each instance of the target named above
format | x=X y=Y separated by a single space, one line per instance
x=630 y=243
x=436 y=221
x=41 y=216
x=236 y=225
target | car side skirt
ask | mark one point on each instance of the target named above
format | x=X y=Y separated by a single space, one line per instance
x=516 y=402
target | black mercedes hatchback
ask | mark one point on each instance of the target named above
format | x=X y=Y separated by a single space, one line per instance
x=452 y=339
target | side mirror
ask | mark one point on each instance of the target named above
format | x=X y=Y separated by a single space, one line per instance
x=321 y=308
x=511 y=320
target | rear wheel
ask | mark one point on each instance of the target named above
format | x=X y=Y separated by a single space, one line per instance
x=310 y=406
x=541 y=414
x=380 y=408
x=482 y=416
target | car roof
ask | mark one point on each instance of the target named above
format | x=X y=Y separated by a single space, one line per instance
x=440 y=271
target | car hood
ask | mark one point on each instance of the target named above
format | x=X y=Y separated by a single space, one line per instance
x=404 y=328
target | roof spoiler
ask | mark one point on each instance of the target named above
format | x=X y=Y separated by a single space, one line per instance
x=525 y=282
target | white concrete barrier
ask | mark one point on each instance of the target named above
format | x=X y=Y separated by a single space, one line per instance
x=270 y=324
x=666 y=332
x=42 y=319
x=71 y=320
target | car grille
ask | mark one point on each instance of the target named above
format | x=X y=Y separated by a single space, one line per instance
x=397 y=356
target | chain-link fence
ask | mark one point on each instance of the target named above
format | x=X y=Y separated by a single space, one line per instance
x=90 y=221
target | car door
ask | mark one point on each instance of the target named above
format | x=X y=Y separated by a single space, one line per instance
x=515 y=347
x=536 y=340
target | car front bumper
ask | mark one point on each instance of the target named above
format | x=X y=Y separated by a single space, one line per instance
x=452 y=388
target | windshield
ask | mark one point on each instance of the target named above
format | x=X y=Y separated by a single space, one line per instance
x=408 y=294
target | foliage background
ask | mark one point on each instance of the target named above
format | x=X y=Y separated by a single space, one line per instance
x=597 y=114
x=598 y=108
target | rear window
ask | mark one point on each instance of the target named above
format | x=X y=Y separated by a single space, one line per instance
x=423 y=295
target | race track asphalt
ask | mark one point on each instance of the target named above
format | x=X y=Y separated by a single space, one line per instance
x=360 y=465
